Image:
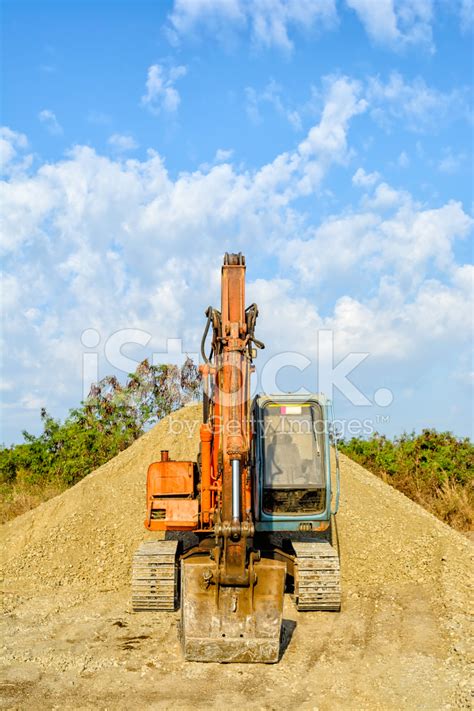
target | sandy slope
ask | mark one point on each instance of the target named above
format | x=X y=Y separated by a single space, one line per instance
x=71 y=641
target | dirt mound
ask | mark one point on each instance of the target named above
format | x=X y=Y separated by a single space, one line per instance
x=400 y=641
x=86 y=536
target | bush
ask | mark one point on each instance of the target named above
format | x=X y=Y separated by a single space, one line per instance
x=435 y=469
x=110 y=419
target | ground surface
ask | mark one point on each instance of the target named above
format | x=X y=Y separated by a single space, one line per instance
x=70 y=640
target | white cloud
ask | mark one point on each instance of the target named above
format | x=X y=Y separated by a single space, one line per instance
x=342 y=103
x=251 y=105
x=98 y=118
x=272 y=95
x=87 y=245
x=294 y=119
x=32 y=402
x=466 y=15
x=405 y=334
x=11 y=142
x=393 y=24
x=48 y=118
x=122 y=143
x=160 y=91
x=223 y=155
x=392 y=307
x=269 y=21
x=390 y=235
x=378 y=18
x=420 y=106
x=451 y=162
x=403 y=160
x=10 y=290
x=396 y=23
x=299 y=172
x=361 y=179
x=401 y=329
x=384 y=198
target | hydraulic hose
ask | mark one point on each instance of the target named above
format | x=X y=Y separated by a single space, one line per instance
x=208 y=313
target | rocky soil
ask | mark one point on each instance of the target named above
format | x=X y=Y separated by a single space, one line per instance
x=70 y=641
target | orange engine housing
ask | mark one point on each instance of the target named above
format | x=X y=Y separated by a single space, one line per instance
x=169 y=495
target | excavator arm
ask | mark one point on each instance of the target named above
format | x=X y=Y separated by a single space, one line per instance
x=231 y=599
x=231 y=432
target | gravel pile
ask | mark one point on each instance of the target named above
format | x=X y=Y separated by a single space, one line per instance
x=86 y=536
x=401 y=640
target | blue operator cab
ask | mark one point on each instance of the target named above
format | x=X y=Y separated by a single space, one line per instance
x=291 y=453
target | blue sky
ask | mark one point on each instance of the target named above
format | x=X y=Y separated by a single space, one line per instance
x=329 y=140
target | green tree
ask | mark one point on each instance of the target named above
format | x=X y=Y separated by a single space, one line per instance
x=110 y=419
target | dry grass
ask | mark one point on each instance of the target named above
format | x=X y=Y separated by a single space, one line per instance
x=17 y=498
x=454 y=504
x=451 y=502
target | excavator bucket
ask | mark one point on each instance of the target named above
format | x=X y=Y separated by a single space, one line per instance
x=231 y=624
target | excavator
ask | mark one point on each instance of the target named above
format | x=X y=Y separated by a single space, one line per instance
x=253 y=516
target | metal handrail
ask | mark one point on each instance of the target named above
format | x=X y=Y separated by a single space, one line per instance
x=338 y=472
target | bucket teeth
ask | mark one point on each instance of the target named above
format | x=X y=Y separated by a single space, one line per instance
x=154 y=576
x=317 y=577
